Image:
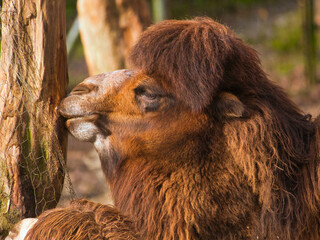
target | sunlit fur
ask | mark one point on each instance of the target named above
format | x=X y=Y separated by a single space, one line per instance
x=221 y=154
x=268 y=179
x=83 y=220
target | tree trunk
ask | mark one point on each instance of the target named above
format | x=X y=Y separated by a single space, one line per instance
x=33 y=80
x=310 y=42
x=159 y=10
x=108 y=29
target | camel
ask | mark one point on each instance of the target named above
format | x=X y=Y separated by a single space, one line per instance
x=196 y=142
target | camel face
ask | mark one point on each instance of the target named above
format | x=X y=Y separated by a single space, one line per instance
x=90 y=101
x=127 y=114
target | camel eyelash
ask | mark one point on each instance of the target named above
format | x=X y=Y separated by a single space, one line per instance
x=142 y=92
x=139 y=90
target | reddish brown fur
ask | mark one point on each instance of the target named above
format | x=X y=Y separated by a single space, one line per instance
x=216 y=151
x=83 y=220
x=271 y=147
x=177 y=51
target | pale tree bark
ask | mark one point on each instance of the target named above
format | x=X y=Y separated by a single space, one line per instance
x=159 y=10
x=108 y=29
x=33 y=80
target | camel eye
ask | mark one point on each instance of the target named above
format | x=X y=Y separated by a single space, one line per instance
x=147 y=100
x=149 y=96
x=144 y=94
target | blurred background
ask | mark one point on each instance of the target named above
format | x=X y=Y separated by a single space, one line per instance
x=100 y=33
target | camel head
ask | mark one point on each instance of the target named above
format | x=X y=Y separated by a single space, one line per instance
x=127 y=114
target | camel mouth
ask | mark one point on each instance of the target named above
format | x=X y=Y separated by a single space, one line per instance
x=72 y=108
x=69 y=111
x=84 y=118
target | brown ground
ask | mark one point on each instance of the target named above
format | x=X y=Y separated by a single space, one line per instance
x=85 y=173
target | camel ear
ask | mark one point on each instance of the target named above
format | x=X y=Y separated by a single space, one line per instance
x=230 y=106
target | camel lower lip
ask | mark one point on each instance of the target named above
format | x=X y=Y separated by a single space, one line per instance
x=83 y=128
x=86 y=128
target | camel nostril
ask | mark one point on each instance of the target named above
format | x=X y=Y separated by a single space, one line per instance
x=80 y=90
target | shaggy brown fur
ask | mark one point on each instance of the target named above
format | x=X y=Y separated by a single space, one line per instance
x=197 y=142
x=269 y=183
x=83 y=220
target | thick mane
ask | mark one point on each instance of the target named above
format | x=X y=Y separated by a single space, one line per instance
x=180 y=51
x=275 y=149
x=276 y=160
x=272 y=144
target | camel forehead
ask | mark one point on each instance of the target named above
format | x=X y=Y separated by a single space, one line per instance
x=111 y=79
